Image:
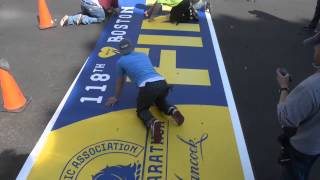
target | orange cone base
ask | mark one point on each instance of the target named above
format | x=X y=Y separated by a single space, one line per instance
x=53 y=25
x=20 y=109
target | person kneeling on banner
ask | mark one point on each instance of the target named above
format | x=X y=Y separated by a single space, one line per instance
x=92 y=11
x=181 y=11
x=153 y=88
x=299 y=115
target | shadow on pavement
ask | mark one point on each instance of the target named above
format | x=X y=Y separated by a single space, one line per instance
x=10 y=164
x=252 y=50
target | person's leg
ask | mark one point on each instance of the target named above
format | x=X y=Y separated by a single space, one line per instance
x=148 y=12
x=163 y=105
x=145 y=99
x=70 y=20
x=180 y=13
x=153 y=11
x=92 y=13
x=161 y=101
x=298 y=166
x=75 y=19
x=309 y=165
x=315 y=20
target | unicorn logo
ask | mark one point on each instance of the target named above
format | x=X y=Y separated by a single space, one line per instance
x=129 y=172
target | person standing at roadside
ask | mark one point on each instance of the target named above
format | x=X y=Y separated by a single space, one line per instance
x=299 y=116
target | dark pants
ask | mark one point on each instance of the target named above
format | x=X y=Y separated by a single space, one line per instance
x=181 y=12
x=316 y=16
x=152 y=93
x=299 y=165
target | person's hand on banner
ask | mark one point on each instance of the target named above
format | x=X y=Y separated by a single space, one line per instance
x=111 y=101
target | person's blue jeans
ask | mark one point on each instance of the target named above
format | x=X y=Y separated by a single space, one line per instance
x=91 y=13
x=299 y=165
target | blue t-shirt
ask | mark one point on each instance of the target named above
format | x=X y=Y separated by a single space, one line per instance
x=137 y=66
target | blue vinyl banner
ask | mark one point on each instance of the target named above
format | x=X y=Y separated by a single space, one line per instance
x=87 y=140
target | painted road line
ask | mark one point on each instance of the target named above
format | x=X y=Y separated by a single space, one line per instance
x=170 y=40
x=184 y=76
x=245 y=160
x=163 y=23
x=143 y=50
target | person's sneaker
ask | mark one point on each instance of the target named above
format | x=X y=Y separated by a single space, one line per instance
x=156 y=131
x=79 y=19
x=146 y=14
x=64 y=20
x=177 y=116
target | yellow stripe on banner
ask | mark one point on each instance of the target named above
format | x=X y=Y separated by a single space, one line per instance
x=175 y=75
x=143 y=50
x=162 y=23
x=170 y=40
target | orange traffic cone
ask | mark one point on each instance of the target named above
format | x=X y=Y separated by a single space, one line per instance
x=44 y=17
x=13 y=98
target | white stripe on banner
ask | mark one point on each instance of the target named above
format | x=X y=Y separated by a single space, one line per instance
x=245 y=161
x=36 y=150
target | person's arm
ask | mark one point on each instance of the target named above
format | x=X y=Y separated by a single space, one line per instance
x=283 y=95
x=115 y=7
x=295 y=107
x=115 y=4
x=118 y=89
x=283 y=81
x=119 y=85
x=153 y=11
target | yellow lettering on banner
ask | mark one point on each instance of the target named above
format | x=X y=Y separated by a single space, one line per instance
x=175 y=75
x=162 y=23
x=170 y=40
x=156 y=156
